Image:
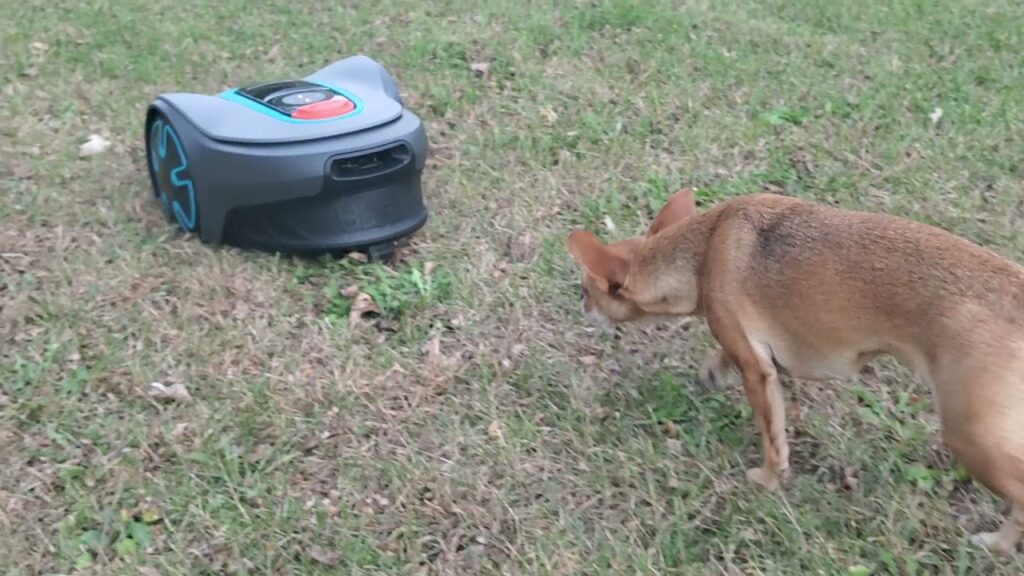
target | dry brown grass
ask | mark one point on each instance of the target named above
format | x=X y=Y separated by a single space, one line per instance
x=480 y=426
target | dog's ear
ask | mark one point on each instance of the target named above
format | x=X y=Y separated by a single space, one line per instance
x=680 y=206
x=607 y=268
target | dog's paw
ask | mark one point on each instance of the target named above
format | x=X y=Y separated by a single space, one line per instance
x=709 y=381
x=994 y=542
x=712 y=372
x=764 y=478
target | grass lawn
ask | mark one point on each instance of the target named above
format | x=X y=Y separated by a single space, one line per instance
x=479 y=425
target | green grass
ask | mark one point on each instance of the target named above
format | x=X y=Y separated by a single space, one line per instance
x=478 y=425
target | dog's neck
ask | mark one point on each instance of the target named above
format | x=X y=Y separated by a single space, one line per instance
x=670 y=264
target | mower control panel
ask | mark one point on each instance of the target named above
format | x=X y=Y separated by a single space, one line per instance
x=300 y=99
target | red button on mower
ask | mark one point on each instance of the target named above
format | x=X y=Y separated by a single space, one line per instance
x=338 y=106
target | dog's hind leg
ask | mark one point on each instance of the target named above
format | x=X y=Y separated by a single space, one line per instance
x=715 y=370
x=1005 y=539
x=996 y=460
x=980 y=398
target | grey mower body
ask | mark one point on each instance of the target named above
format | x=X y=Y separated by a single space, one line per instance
x=329 y=163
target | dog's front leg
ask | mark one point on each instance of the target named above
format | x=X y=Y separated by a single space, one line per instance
x=767 y=401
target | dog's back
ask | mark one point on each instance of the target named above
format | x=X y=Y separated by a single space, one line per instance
x=837 y=279
x=901 y=266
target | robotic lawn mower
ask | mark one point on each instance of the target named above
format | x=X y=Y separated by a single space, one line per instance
x=330 y=163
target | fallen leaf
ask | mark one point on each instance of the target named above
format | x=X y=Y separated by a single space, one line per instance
x=94 y=145
x=180 y=432
x=15 y=311
x=936 y=115
x=674 y=445
x=428 y=268
x=480 y=69
x=500 y=269
x=432 y=349
x=30 y=72
x=362 y=305
x=325 y=557
x=550 y=116
x=358 y=257
x=271 y=54
x=147 y=571
x=176 y=392
x=377 y=503
x=350 y=291
x=38 y=48
x=150 y=515
x=563 y=157
x=496 y=431
x=850 y=481
x=588 y=360
x=671 y=430
x=609 y=224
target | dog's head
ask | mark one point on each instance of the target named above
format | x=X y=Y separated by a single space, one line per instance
x=614 y=287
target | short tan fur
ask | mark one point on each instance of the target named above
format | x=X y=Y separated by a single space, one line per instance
x=794 y=287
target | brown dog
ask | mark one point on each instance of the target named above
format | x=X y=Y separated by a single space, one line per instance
x=815 y=292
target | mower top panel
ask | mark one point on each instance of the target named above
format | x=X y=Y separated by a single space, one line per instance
x=348 y=96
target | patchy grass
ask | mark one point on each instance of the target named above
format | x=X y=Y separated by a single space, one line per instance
x=477 y=425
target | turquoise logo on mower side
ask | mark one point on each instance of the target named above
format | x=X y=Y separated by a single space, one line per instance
x=159 y=136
